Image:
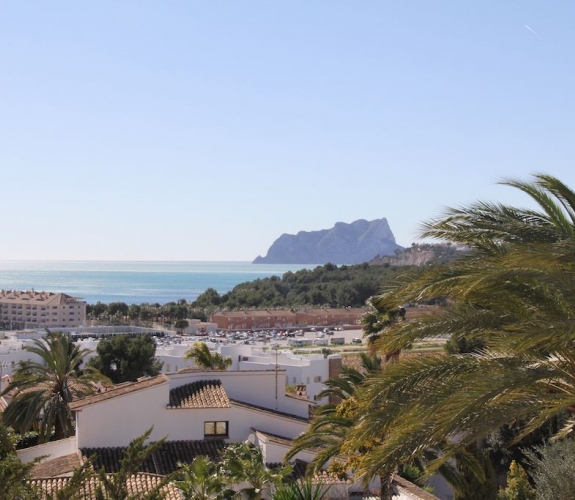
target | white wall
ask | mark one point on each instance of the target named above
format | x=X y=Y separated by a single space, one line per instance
x=54 y=449
x=116 y=421
x=11 y=353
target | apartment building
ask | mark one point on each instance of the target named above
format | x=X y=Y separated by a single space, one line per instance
x=262 y=319
x=31 y=309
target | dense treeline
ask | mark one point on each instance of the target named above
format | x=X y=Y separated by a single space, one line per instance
x=328 y=285
x=325 y=286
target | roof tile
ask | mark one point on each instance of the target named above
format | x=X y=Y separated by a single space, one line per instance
x=164 y=460
x=137 y=484
x=200 y=394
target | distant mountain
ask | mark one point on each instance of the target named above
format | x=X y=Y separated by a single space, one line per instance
x=354 y=243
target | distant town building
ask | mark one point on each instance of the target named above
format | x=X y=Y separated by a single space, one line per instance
x=264 y=319
x=30 y=309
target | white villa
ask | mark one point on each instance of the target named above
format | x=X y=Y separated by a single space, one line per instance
x=199 y=412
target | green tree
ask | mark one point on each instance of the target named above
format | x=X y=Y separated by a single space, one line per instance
x=518 y=487
x=14 y=475
x=181 y=325
x=201 y=480
x=301 y=490
x=551 y=468
x=45 y=389
x=513 y=289
x=332 y=422
x=115 y=486
x=125 y=359
x=204 y=358
x=244 y=462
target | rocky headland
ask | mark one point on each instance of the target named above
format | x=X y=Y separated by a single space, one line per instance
x=354 y=243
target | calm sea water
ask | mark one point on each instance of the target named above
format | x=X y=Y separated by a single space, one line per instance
x=133 y=282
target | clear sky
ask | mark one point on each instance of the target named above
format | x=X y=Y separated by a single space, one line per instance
x=203 y=130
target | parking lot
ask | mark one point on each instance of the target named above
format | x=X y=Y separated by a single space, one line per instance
x=319 y=336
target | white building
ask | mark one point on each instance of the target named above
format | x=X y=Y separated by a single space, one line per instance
x=198 y=412
x=308 y=373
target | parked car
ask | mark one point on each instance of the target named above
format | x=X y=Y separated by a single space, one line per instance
x=357 y=341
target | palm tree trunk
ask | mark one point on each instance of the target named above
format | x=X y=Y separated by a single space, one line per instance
x=386 y=488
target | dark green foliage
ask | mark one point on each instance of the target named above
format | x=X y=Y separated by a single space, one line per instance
x=324 y=286
x=463 y=345
x=244 y=463
x=301 y=490
x=45 y=389
x=327 y=285
x=125 y=359
x=518 y=487
x=552 y=469
x=475 y=487
x=115 y=486
x=13 y=473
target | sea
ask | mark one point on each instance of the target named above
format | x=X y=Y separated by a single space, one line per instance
x=134 y=282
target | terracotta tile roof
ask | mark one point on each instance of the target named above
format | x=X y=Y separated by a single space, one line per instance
x=118 y=391
x=242 y=404
x=57 y=466
x=3 y=404
x=411 y=490
x=200 y=394
x=137 y=484
x=32 y=297
x=162 y=461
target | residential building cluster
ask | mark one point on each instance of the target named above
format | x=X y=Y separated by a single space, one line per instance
x=200 y=412
x=265 y=396
x=30 y=309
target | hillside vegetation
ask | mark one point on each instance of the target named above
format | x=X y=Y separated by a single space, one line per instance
x=324 y=286
x=328 y=285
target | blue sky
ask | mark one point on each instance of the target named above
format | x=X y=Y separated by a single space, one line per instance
x=166 y=130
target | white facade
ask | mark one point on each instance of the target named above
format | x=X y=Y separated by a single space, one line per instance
x=12 y=352
x=311 y=370
x=115 y=421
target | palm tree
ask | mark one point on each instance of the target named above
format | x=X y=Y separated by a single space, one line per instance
x=204 y=358
x=514 y=290
x=244 y=463
x=331 y=423
x=116 y=486
x=301 y=490
x=44 y=390
x=200 y=480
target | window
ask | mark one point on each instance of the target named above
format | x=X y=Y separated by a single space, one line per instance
x=215 y=429
x=317 y=378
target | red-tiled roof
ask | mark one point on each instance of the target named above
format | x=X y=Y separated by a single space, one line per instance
x=137 y=484
x=57 y=466
x=200 y=394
